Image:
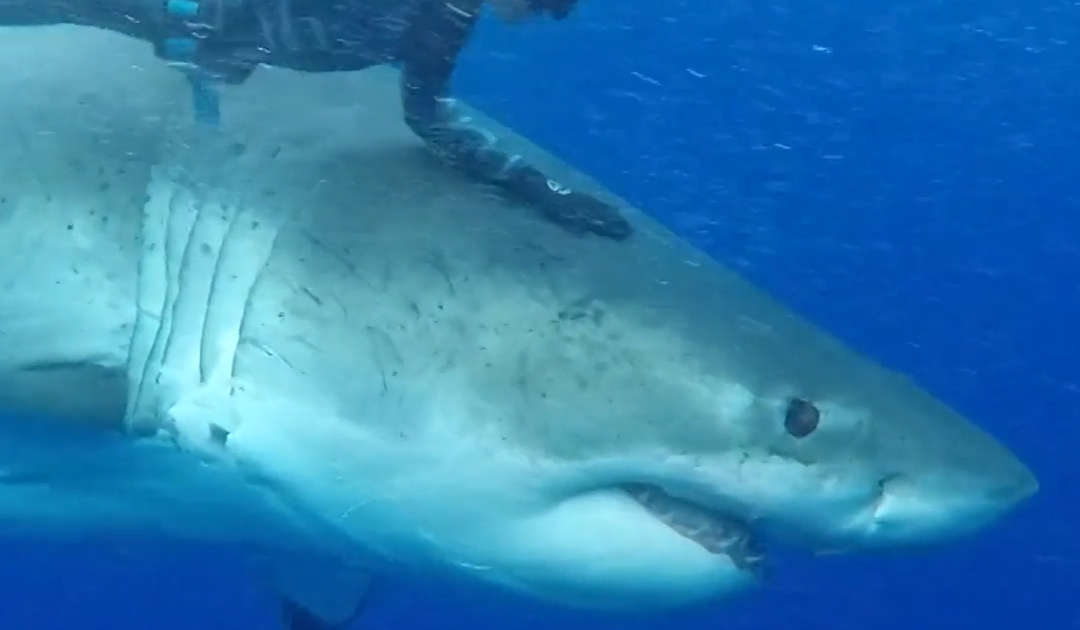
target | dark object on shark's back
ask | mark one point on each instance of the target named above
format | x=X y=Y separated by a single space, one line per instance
x=429 y=52
x=573 y=210
x=223 y=41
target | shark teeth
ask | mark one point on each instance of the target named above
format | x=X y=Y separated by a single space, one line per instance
x=715 y=532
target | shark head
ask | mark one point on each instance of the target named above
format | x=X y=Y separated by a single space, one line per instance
x=642 y=446
x=650 y=451
x=602 y=424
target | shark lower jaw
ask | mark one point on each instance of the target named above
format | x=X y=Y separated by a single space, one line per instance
x=716 y=532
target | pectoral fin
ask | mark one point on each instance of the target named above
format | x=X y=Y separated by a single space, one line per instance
x=318 y=594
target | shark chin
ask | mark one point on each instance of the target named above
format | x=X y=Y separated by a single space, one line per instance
x=637 y=549
x=645 y=549
x=306 y=335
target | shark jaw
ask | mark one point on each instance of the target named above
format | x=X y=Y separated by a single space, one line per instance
x=713 y=531
x=636 y=532
x=441 y=505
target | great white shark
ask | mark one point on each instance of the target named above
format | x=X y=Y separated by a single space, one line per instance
x=305 y=334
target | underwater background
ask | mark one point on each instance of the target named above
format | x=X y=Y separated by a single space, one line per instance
x=904 y=174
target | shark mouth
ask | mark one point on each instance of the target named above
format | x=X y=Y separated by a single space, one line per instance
x=717 y=533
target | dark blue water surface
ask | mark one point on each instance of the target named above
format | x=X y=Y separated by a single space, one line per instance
x=904 y=174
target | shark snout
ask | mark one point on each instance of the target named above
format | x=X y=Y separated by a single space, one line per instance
x=930 y=507
x=1012 y=488
x=996 y=479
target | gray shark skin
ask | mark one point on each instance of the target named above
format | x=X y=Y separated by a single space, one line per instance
x=303 y=333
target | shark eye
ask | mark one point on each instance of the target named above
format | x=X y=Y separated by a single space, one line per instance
x=802 y=417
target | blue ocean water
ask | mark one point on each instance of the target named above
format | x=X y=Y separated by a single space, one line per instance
x=902 y=174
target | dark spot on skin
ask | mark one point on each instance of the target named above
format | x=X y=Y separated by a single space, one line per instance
x=71 y=226
x=237 y=148
x=206 y=249
x=103 y=186
x=802 y=418
x=281 y=315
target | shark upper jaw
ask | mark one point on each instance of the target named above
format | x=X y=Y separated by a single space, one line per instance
x=819 y=515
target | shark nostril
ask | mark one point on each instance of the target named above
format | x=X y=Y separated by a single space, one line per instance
x=887 y=487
